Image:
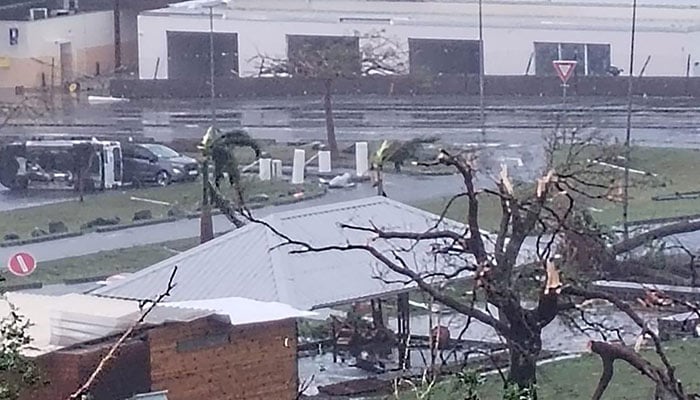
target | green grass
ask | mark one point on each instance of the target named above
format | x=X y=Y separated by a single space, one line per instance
x=489 y=210
x=186 y=196
x=576 y=379
x=676 y=170
x=101 y=264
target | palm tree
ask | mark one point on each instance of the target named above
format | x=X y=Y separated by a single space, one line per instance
x=218 y=150
x=396 y=152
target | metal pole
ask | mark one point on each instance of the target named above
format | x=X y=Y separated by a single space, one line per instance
x=630 y=81
x=482 y=116
x=211 y=67
x=206 y=227
x=564 y=111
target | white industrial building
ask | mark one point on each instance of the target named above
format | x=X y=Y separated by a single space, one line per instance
x=520 y=36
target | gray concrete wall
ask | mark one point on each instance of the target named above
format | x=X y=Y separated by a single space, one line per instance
x=407 y=85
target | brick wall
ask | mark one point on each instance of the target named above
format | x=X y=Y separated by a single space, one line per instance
x=207 y=359
x=63 y=372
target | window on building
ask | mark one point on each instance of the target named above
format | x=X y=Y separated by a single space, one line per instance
x=593 y=59
x=324 y=55
x=188 y=54
x=443 y=56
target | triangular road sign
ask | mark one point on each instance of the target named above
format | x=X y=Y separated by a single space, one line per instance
x=565 y=69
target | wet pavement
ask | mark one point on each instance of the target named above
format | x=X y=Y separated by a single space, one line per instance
x=557 y=337
x=455 y=119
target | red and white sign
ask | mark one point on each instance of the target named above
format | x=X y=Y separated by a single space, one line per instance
x=21 y=264
x=565 y=69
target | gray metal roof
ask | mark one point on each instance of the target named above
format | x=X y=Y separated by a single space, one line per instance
x=249 y=263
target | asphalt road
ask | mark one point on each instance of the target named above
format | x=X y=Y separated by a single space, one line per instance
x=519 y=121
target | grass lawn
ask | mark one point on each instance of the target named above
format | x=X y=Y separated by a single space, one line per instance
x=676 y=170
x=185 y=196
x=101 y=264
x=576 y=379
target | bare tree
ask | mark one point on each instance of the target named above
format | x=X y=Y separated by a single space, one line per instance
x=146 y=308
x=337 y=57
x=551 y=213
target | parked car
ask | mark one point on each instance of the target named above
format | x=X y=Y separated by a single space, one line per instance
x=156 y=163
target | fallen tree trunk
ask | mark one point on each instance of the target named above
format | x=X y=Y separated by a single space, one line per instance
x=655 y=234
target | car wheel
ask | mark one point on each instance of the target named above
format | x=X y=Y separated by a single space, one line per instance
x=163 y=178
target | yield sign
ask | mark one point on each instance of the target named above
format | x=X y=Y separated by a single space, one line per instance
x=565 y=69
x=21 y=264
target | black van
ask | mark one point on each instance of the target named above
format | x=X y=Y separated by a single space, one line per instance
x=156 y=163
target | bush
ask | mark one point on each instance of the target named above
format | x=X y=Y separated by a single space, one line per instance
x=176 y=211
x=99 y=221
x=12 y=236
x=142 y=215
x=57 y=227
x=38 y=232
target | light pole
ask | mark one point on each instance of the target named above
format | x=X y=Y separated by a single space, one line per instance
x=206 y=224
x=628 y=133
x=482 y=116
x=211 y=67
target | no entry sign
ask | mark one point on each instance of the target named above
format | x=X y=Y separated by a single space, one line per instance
x=21 y=264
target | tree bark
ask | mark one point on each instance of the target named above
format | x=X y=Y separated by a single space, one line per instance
x=655 y=234
x=206 y=225
x=330 y=124
x=523 y=364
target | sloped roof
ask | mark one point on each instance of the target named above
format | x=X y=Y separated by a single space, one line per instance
x=249 y=262
x=61 y=321
x=242 y=311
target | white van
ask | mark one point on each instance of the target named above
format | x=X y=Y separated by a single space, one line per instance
x=54 y=163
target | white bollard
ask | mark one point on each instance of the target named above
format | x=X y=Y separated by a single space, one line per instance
x=276 y=169
x=324 y=161
x=265 y=166
x=298 y=167
x=361 y=158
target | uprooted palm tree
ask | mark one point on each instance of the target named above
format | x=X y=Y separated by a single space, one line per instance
x=219 y=149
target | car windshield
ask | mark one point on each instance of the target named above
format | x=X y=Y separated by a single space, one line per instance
x=161 y=151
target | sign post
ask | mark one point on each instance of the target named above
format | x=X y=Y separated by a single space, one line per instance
x=565 y=70
x=21 y=264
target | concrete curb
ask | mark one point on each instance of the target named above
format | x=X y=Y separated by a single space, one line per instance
x=45 y=238
x=656 y=221
x=147 y=222
x=156 y=221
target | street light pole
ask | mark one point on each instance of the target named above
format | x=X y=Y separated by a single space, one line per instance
x=211 y=67
x=206 y=224
x=482 y=116
x=628 y=133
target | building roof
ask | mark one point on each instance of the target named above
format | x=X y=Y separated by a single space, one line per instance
x=653 y=15
x=242 y=311
x=61 y=321
x=249 y=262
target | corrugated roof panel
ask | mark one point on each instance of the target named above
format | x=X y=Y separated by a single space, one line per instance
x=242 y=264
x=238 y=262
